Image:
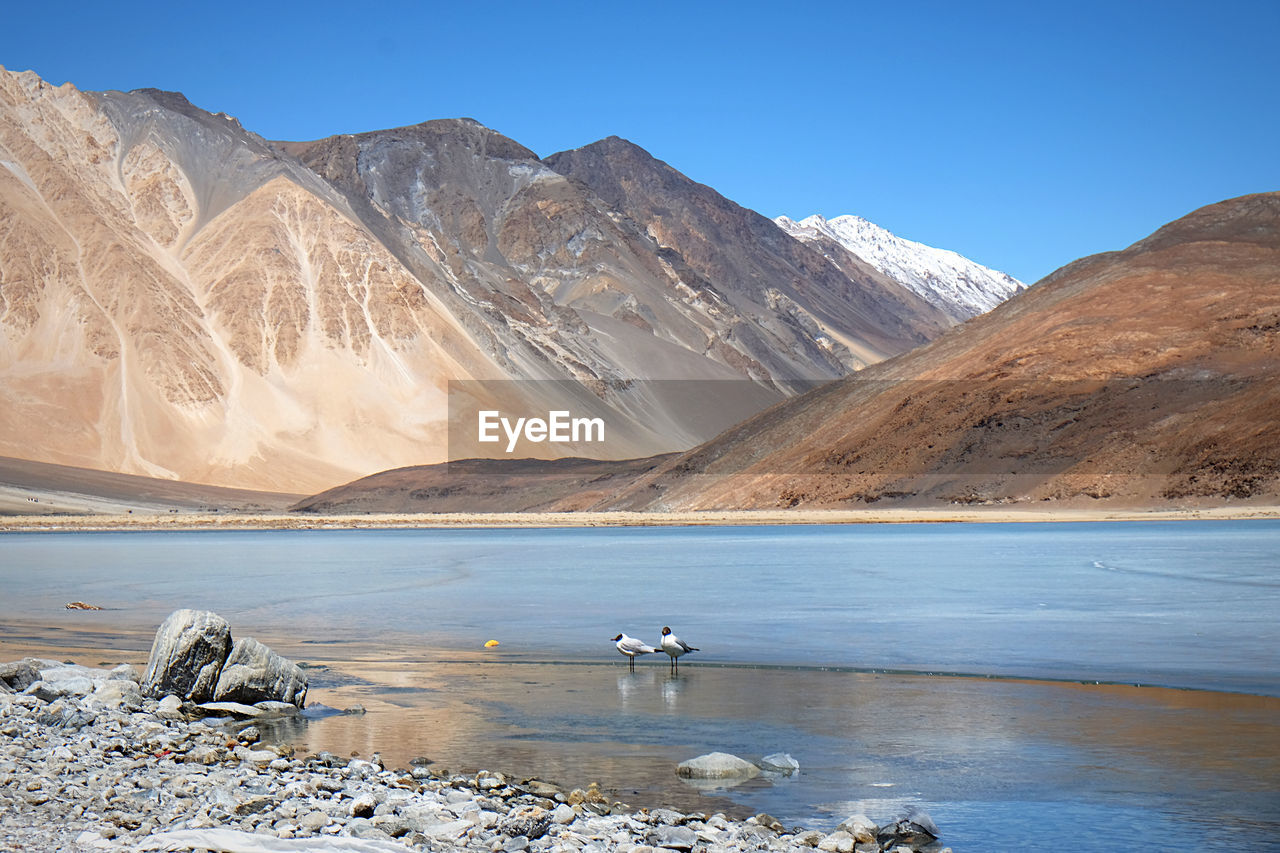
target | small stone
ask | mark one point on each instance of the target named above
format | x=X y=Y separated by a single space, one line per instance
x=563 y=814
x=253 y=805
x=770 y=822
x=170 y=708
x=861 y=827
x=314 y=821
x=809 y=838
x=258 y=756
x=452 y=830
x=837 y=842
x=529 y=821
x=673 y=837
x=364 y=805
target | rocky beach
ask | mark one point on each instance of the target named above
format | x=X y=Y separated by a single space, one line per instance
x=96 y=758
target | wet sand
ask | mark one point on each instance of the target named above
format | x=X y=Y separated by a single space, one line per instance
x=256 y=521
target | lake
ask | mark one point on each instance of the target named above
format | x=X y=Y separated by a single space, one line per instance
x=984 y=672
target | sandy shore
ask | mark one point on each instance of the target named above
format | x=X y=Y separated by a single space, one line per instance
x=250 y=521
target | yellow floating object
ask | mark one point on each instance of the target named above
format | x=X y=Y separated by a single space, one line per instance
x=491 y=644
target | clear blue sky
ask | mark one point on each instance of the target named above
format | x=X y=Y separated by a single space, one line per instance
x=1022 y=134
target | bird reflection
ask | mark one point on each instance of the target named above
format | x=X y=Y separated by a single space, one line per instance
x=672 y=686
x=631 y=682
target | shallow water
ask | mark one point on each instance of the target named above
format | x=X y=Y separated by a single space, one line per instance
x=1048 y=765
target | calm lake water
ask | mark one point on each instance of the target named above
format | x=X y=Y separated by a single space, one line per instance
x=843 y=646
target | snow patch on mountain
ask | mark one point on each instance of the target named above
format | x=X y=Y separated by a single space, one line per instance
x=950 y=281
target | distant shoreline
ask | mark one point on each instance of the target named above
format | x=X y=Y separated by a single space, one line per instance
x=396 y=521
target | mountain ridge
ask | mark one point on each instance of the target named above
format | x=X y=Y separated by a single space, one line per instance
x=182 y=298
x=958 y=286
x=1143 y=376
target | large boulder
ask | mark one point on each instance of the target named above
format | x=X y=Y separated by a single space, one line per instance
x=187 y=655
x=253 y=673
x=19 y=675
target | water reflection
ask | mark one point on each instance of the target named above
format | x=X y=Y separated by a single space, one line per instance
x=672 y=686
x=967 y=750
x=632 y=685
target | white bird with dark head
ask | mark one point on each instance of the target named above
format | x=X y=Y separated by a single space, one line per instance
x=675 y=647
x=631 y=647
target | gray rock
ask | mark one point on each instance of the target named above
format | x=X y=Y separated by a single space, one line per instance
x=19 y=675
x=253 y=673
x=529 y=821
x=770 y=822
x=837 y=842
x=717 y=765
x=187 y=655
x=861 y=827
x=118 y=693
x=126 y=672
x=915 y=829
x=170 y=708
x=272 y=707
x=780 y=762
x=673 y=837
x=51 y=689
x=450 y=830
x=364 y=805
x=234 y=709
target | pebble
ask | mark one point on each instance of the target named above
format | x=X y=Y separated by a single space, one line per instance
x=87 y=763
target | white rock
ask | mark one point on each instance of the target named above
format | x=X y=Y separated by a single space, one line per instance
x=861 y=827
x=837 y=842
x=170 y=708
x=717 y=765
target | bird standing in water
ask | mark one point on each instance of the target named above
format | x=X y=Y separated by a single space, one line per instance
x=631 y=647
x=674 y=646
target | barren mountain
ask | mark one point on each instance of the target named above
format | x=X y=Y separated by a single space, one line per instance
x=483 y=485
x=739 y=263
x=1142 y=376
x=183 y=299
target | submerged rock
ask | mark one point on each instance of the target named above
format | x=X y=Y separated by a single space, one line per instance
x=187 y=655
x=915 y=829
x=780 y=762
x=254 y=673
x=717 y=765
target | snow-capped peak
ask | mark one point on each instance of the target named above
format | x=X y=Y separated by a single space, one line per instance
x=946 y=279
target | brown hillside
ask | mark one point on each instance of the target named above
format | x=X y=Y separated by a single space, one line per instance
x=1149 y=375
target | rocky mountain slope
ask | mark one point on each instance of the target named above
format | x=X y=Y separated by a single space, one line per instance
x=958 y=286
x=1149 y=375
x=181 y=298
